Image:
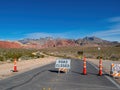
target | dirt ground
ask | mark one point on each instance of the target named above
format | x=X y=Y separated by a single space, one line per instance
x=6 y=69
x=106 y=66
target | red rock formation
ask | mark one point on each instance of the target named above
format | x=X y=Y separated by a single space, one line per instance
x=8 y=44
x=64 y=42
x=58 y=43
x=47 y=43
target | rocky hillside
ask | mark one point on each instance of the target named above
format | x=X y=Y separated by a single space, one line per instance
x=94 y=41
x=50 y=42
x=9 y=44
x=47 y=42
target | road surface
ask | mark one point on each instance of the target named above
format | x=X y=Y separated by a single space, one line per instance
x=48 y=78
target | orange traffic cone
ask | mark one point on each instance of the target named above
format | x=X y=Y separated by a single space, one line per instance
x=100 y=67
x=15 y=66
x=84 y=66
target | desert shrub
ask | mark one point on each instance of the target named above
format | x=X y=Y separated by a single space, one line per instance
x=80 y=52
x=114 y=57
x=98 y=57
x=1 y=58
x=92 y=52
x=25 y=57
x=41 y=56
x=15 y=53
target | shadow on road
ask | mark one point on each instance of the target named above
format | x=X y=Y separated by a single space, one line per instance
x=89 y=73
x=55 y=71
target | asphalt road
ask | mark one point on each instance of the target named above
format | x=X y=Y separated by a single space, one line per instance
x=48 y=78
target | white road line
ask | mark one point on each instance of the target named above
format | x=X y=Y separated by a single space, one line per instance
x=109 y=78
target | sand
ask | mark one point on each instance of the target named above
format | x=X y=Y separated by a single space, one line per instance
x=6 y=69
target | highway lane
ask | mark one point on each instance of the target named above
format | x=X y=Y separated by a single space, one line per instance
x=48 y=77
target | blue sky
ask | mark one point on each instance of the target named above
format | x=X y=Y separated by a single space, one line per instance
x=59 y=18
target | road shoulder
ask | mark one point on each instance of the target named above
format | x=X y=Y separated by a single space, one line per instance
x=6 y=69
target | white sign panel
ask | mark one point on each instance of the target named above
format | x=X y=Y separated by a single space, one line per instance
x=63 y=63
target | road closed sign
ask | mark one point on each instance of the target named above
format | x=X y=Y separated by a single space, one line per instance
x=63 y=63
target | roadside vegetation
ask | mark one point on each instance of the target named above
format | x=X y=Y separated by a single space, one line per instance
x=21 y=54
x=107 y=53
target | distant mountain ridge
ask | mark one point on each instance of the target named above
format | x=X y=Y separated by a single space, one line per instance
x=95 y=41
x=51 y=42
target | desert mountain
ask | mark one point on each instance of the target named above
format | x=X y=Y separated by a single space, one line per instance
x=94 y=41
x=51 y=42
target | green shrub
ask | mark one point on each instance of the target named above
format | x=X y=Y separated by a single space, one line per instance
x=41 y=56
x=114 y=57
x=1 y=58
x=15 y=53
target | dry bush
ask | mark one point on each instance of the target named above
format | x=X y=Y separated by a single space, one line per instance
x=90 y=52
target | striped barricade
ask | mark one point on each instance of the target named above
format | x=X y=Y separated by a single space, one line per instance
x=63 y=70
x=115 y=70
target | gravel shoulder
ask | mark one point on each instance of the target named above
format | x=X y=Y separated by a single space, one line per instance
x=6 y=69
x=106 y=66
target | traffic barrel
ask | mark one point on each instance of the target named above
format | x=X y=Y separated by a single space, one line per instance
x=15 y=66
x=84 y=66
x=100 y=67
